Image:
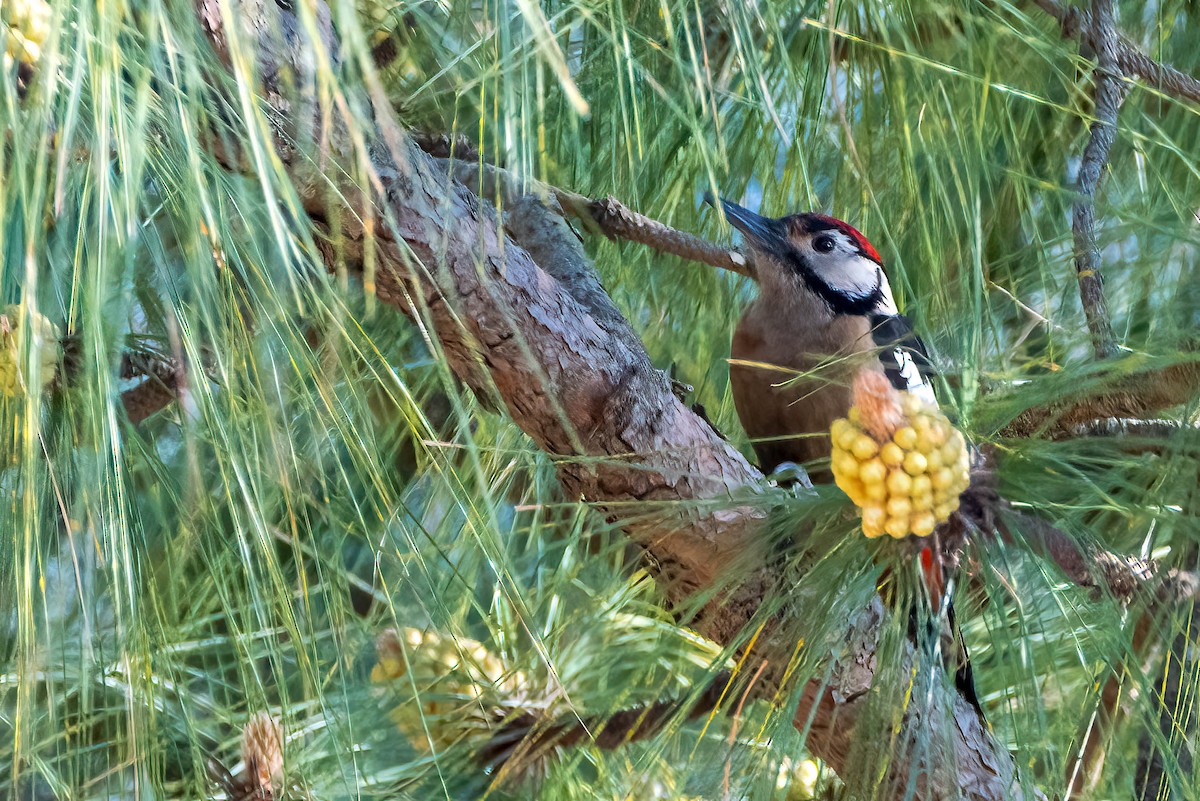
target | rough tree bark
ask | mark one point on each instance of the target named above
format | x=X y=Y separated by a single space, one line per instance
x=522 y=319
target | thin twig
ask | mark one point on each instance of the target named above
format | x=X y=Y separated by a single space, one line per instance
x=1088 y=763
x=617 y=221
x=1129 y=59
x=1125 y=578
x=1088 y=766
x=608 y=215
x=528 y=737
x=1174 y=696
x=733 y=728
x=1109 y=93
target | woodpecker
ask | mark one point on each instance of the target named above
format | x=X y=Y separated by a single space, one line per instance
x=824 y=311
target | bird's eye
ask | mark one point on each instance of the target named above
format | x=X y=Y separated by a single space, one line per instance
x=824 y=244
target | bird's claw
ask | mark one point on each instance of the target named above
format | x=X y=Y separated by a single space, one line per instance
x=680 y=390
x=790 y=475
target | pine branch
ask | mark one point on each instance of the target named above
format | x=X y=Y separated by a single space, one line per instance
x=1109 y=93
x=1075 y=22
x=1101 y=571
x=1134 y=395
x=164 y=377
x=607 y=216
x=1124 y=578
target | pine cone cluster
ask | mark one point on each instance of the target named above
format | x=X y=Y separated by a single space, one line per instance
x=24 y=26
x=454 y=677
x=16 y=326
x=899 y=459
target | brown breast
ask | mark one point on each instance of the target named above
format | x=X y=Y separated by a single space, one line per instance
x=791 y=379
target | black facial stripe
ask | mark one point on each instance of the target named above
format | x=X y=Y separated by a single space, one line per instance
x=840 y=302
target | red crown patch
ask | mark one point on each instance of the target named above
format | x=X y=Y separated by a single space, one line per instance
x=849 y=230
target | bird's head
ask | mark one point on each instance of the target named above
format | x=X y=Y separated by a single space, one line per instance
x=814 y=253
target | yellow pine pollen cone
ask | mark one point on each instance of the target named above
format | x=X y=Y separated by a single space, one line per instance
x=899 y=459
x=44 y=340
x=24 y=28
x=448 y=673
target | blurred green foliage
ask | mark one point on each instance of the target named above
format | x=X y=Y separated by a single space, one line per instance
x=242 y=551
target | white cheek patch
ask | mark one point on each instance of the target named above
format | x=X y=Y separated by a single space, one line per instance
x=852 y=282
x=848 y=274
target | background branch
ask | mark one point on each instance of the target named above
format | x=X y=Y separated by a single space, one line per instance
x=1109 y=94
x=164 y=377
x=1076 y=22
x=1134 y=436
x=607 y=216
x=151 y=396
x=1134 y=395
x=1125 y=578
x=1116 y=58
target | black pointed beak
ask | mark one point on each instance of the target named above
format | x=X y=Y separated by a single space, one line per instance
x=763 y=233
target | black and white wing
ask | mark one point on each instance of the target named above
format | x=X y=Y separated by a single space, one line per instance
x=907 y=365
x=903 y=355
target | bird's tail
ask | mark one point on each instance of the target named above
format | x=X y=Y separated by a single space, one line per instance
x=945 y=631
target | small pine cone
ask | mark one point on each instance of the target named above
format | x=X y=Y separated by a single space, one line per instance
x=454 y=678
x=798 y=779
x=262 y=753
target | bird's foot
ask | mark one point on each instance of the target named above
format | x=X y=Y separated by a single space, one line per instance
x=791 y=476
x=680 y=390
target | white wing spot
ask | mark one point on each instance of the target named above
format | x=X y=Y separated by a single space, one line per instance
x=914 y=382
